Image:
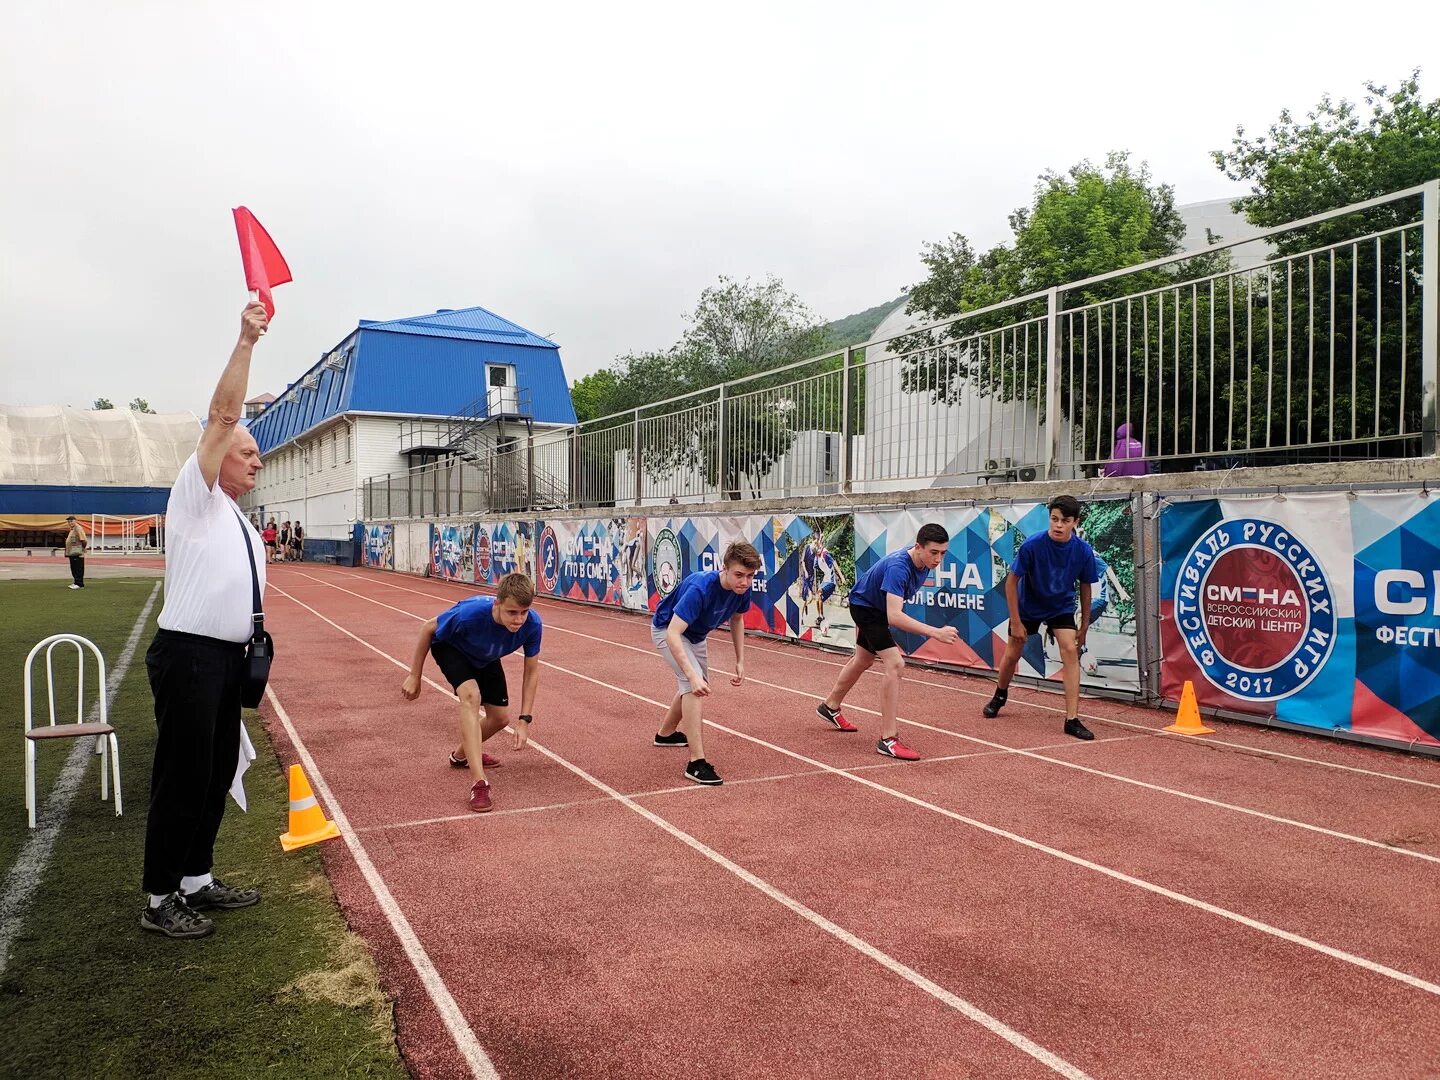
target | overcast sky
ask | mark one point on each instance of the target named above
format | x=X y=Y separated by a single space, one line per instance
x=584 y=170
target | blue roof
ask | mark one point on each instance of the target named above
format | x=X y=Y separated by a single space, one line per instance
x=427 y=365
x=469 y=324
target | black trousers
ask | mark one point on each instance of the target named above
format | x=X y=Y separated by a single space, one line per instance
x=77 y=569
x=196 y=683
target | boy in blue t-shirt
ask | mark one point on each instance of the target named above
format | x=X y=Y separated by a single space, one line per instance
x=877 y=602
x=1041 y=589
x=467 y=643
x=682 y=622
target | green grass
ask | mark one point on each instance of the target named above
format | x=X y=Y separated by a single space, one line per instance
x=280 y=989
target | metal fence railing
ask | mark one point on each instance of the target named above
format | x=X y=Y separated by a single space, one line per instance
x=1326 y=350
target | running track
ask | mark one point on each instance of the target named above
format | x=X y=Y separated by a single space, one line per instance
x=1254 y=904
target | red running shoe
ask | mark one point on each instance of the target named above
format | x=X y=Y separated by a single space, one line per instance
x=893 y=747
x=480 y=796
x=834 y=716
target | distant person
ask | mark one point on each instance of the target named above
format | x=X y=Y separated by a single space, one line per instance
x=1128 y=456
x=75 y=545
x=297 y=543
x=283 y=541
x=196 y=662
x=268 y=535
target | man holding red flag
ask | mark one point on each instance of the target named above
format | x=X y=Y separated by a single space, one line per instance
x=214 y=573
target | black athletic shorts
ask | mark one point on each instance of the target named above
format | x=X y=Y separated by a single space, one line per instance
x=1059 y=622
x=872 y=629
x=459 y=668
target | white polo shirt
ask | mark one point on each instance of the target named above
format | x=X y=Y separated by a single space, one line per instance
x=207 y=573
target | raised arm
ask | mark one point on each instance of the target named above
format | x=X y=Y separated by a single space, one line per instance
x=227 y=404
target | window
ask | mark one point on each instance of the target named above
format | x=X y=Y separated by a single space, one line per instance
x=349 y=450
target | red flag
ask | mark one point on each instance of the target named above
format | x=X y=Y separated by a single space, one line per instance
x=264 y=265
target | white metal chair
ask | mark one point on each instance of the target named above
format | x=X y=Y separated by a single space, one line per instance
x=106 y=745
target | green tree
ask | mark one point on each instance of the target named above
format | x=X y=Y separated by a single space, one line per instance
x=1342 y=153
x=140 y=405
x=1086 y=222
x=737 y=329
x=102 y=403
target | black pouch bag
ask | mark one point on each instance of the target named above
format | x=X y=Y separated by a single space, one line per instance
x=260 y=649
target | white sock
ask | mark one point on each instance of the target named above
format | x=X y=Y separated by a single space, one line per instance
x=156 y=901
x=195 y=884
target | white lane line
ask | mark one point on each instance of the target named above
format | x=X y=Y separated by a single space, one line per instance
x=1035 y=845
x=1021 y=752
x=965 y=1008
x=470 y=816
x=29 y=869
x=807 y=654
x=481 y=1067
x=1076 y=860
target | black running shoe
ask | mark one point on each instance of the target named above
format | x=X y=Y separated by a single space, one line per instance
x=675 y=738
x=174 y=918
x=219 y=895
x=702 y=772
x=995 y=704
x=1074 y=727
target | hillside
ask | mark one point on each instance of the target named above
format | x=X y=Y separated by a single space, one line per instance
x=853 y=329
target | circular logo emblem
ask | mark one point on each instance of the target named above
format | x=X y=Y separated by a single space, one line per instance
x=482 y=554
x=549 y=568
x=665 y=555
x=1254 y=609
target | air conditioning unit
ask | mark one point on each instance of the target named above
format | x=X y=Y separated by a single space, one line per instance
x=335 y=361
x=1028 y=474
x=311 y=381
x=292 y=395
x=997 y=465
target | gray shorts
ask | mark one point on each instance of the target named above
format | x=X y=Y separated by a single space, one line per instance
x=697 y=654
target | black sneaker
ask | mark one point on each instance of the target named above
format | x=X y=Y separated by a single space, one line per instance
x=1073 y=726
x=219 y=895
x=995 y=704
x=702 y=772
x=675 y=738
x=174 y=918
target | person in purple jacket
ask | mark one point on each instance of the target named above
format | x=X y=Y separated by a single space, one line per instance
x=1128 y=457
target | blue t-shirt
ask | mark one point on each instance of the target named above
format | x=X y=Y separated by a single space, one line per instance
x=1048 y=575
x=703 y=603
x=896 y=573
x=470 y=627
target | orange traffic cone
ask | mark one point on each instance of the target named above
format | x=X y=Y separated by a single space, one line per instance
x=1187 y=719
x=307 y=820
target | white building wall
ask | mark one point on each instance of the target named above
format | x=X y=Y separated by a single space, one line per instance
x=312 y=481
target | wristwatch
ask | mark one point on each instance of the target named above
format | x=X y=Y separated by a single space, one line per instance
x=527 y=718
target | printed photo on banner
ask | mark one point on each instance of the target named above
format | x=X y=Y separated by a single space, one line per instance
x=808 y=593
x=600 y=560
x=502 y=547
x=967 y=590
x=680 y=546
x=379 y=550
x=452 y=552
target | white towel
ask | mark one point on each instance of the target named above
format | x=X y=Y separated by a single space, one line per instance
x=247 y=755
